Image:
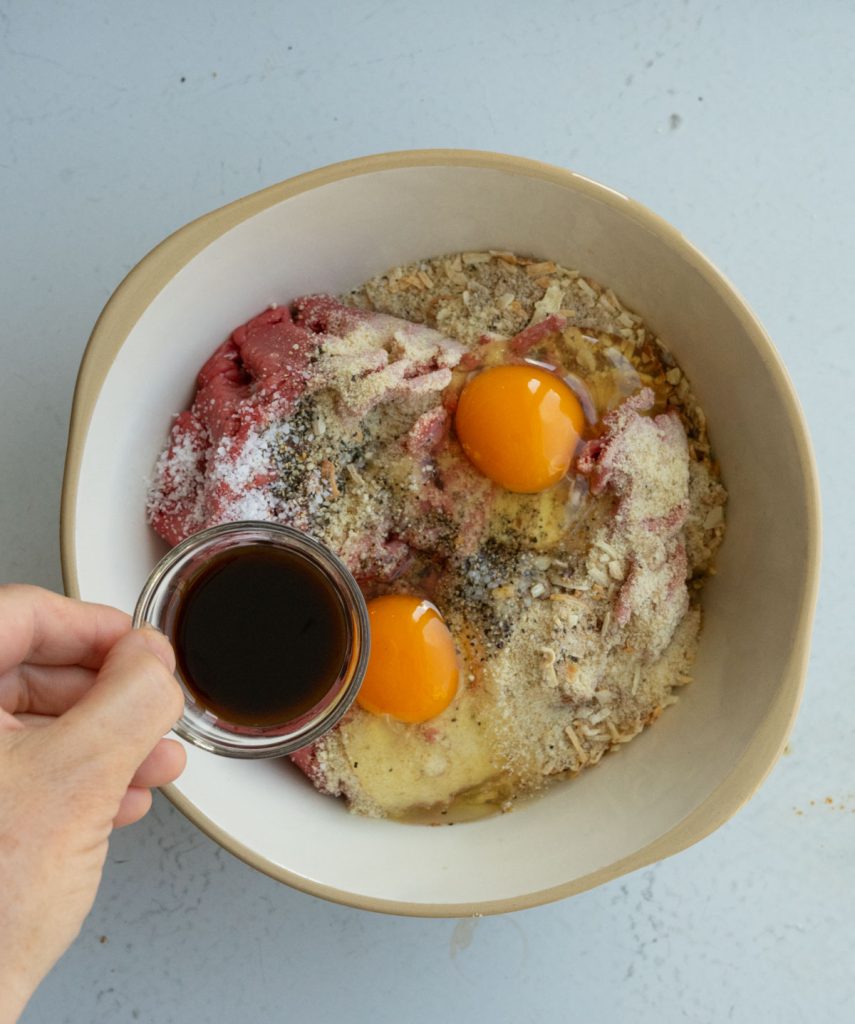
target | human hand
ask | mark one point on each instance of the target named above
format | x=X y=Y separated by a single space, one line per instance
x=84 y=702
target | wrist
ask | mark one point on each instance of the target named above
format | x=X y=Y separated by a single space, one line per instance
x=15 y=993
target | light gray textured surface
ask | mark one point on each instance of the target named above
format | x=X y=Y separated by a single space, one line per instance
x=120 y=122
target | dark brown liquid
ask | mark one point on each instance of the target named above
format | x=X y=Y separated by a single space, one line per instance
x=260 y=635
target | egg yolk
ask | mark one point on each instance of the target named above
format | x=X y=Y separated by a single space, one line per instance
x=412 y=671
x=519 y=425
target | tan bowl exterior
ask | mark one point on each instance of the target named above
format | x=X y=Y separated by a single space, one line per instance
x=149 y=277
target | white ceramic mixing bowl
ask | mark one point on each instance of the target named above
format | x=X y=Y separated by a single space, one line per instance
x=328 y=231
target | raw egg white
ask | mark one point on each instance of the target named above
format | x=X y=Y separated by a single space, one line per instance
x=413 y=671
x=519 y=425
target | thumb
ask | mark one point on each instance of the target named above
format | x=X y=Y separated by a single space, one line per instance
x=132 y=703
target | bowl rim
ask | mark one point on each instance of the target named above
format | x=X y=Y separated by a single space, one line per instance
x=145 y=281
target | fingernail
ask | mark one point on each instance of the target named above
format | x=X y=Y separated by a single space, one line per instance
x=158 y=643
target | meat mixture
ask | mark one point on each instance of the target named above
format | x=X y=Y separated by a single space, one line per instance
x=574 y=610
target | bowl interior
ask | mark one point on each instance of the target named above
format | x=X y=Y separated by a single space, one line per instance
x=669 y=786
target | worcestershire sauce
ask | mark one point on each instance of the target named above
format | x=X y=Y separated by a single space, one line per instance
x=260 y=635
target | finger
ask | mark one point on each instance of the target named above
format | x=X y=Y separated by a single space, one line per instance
x=39 y=626
x=36 y=721
x=9 y=723
x=164 y=764
x=133 y=702
x=136 y=804
x=44 y=689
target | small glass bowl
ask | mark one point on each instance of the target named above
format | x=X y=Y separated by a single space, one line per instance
x=158 y=604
